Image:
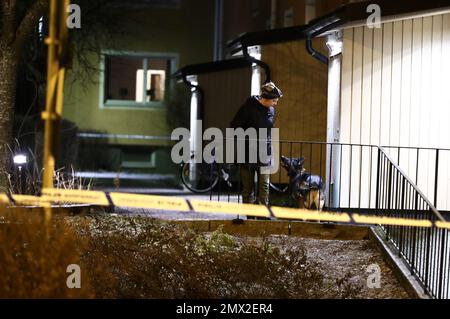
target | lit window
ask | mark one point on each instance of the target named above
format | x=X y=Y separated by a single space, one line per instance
x=138 y=80
x=154 y=87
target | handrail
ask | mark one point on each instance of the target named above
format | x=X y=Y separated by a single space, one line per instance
x=418 y=148
x=415 y=187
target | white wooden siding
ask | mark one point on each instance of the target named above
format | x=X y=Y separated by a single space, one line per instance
x=395 y=91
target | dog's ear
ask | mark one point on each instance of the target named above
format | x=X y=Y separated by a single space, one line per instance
x=301 y=161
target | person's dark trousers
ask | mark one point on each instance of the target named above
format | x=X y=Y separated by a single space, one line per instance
x=248 y=185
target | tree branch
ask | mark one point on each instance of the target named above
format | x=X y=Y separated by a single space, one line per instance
x=28 y=23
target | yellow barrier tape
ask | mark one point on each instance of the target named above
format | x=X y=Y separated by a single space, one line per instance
x=205 y=206
x=202 y=206
x=440 y=224
x=76 y=196
x=360 y=219
x=4 y=199
x=28 y=200
x=149 y=201
x=292 y=213
x=23 y=200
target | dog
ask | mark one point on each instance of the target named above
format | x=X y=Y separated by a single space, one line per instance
x=307 y=189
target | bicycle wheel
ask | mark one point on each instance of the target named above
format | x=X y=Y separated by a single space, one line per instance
x=199 y=178
x=277 y=189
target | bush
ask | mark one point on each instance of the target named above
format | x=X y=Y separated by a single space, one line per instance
x=134 y=257
x=34 y=258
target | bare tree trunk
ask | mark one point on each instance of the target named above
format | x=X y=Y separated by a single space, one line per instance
x=13 y=36
x=8 y=71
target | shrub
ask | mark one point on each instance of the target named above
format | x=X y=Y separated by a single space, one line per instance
x=137 y=257
x=152 y=259
x=34 y=258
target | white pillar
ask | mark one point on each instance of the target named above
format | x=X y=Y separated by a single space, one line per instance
x=334 y=43
x=255 y=52
x=195 y=129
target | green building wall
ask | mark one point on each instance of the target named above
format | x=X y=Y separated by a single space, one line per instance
x=185 y=33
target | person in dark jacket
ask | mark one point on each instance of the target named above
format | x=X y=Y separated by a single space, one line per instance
x=257 y=112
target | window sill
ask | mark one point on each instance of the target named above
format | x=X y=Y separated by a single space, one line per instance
x=127 y=105
x=130 y=164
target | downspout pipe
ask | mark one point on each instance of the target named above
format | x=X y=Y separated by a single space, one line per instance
x=320 y=28
x=218 y=27
x=314 y=53
x=196 y=132
x=260 y=63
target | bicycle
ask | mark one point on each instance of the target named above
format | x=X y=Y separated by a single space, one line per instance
x=203 y=177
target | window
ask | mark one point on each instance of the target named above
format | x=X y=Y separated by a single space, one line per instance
x=135 y=80
x=138 y=157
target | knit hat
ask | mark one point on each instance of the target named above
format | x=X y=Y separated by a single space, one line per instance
x=269 y=91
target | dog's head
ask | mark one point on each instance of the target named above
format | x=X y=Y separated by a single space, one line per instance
x=294 y=166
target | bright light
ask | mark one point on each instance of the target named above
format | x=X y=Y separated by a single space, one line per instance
x=41 y=28
x=255 y=52
x=334 y=46
x=20 y=159
x=193 y=80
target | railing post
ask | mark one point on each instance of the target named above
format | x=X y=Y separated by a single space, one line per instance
x=389 y=186
x=436 y=178
x=428 y=263
x=329 y=190
x=377 y=194
x=414 y=257
x=441 y=266
x=402 y=208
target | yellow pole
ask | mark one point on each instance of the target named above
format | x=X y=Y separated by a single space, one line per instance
x=57 y=49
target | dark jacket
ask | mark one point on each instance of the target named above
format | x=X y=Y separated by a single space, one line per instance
x=255 y=115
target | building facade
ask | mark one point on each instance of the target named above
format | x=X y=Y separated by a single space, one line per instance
x=123 y=111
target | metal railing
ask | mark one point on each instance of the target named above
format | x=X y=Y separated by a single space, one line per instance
x=366 y=179
x=370 y=180
x=428 y=168
x=425 y=250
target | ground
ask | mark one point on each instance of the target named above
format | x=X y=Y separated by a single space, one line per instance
x=124 y=256
x=338 y=257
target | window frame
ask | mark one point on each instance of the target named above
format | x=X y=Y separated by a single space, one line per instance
x=130 y=105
